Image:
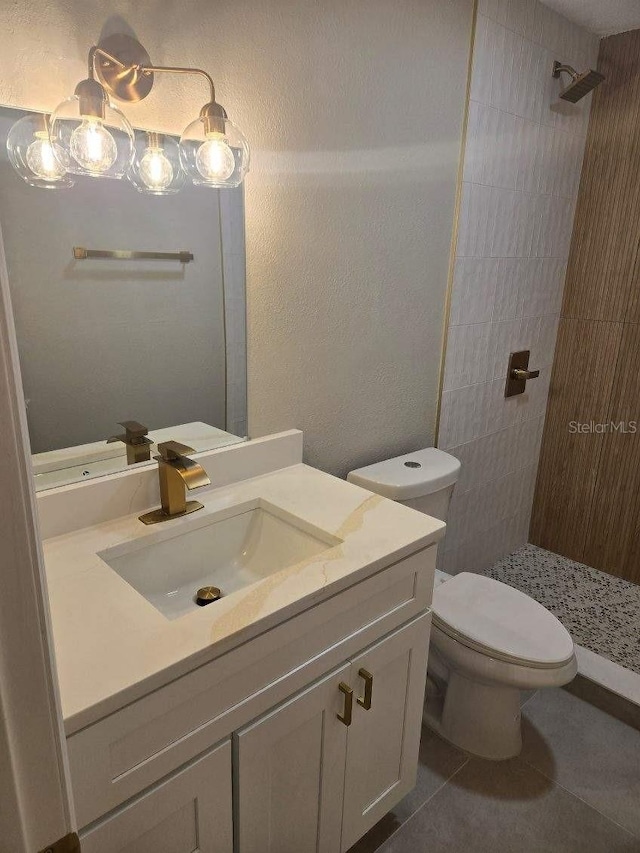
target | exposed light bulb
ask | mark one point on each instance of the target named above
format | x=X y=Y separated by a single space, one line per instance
x=92 y=146
x=155 y=169
x=44 y=159
x=215 y=160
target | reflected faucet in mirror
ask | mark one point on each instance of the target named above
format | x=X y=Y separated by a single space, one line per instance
x=136 y=441
x=176 y=471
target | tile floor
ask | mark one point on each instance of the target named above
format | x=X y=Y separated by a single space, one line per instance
x=601 y=612
x=574 y=789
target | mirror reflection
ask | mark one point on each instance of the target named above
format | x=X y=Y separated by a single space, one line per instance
x=154 y=343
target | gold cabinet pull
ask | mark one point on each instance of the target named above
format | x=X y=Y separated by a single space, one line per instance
x=365 y=701
x=345 y=717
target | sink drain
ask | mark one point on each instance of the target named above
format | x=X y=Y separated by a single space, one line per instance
x=207 y=594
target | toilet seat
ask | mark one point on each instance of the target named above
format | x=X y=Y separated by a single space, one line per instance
x=501 y=622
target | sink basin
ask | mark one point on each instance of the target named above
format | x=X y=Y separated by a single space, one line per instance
x=229 y=549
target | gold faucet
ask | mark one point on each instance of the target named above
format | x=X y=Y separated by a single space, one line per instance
x=135 y=440
x=176 y=471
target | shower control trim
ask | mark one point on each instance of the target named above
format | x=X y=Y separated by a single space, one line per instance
x=518 y=373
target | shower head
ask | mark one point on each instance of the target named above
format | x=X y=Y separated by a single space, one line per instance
x=581 y=84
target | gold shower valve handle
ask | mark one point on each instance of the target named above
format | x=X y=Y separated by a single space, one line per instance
x=517 y=373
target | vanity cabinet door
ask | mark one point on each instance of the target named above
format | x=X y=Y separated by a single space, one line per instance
x=383 y=741
x=191 y=812
x=291 y=773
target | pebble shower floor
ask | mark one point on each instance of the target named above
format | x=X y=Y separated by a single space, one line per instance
x=601 y=612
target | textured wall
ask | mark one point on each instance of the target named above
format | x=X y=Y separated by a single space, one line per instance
x=521 y=171
x=354 y=111
x=587 y=502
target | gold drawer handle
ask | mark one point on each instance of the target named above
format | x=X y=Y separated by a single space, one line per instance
x=365 y=701
x=345 y=717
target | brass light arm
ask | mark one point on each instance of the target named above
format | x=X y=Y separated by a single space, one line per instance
x=146 y=69
x=176 y=69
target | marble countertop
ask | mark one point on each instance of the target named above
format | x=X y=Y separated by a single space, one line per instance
x=112 y=646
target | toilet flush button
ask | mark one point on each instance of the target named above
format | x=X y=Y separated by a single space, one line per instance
x=412 y=464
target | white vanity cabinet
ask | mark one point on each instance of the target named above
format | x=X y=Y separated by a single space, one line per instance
x=317 y=772
x=291 y=774
x=157 y=774
x=191 y=812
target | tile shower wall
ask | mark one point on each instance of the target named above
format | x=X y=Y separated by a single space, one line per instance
x=522 y=165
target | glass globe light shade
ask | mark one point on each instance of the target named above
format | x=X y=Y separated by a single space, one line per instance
x=156 y=167
x=216 y=158
x=97 y=140
x=35 y=158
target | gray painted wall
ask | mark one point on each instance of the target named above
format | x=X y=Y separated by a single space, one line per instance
x=354 y=111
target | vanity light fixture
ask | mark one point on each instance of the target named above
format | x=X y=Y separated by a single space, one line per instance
x=34 y=157
x=88 y=135
x=213 y=151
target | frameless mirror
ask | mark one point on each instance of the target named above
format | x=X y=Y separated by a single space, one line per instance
x=104 y=340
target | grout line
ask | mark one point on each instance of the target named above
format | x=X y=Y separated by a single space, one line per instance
x=535 y=193
x=531 y=39
x=573 y=794
x=578 y=135
x=533 y=695
x=563 y=258
x=428 y=800
x=507 y=320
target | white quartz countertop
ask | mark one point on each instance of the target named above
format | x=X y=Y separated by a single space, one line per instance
x=112 y=646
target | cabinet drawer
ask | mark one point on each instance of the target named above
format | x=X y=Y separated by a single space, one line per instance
x=190 y=811
x=119 y=756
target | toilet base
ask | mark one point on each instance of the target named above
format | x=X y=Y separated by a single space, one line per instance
x=481 y=719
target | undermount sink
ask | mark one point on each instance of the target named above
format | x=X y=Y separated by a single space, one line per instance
x=229 y=549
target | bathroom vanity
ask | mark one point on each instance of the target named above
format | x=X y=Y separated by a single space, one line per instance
x=285 y=716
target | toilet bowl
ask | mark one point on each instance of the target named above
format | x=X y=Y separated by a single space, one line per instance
x=488 y=641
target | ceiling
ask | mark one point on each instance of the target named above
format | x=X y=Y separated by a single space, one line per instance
x=603 y=17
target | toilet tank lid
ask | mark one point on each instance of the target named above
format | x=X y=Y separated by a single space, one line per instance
x=410 y=476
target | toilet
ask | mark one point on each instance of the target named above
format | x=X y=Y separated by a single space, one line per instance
x=488 y=641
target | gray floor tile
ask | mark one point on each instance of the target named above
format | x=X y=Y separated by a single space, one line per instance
x=438 y=762
x=587 y=751
x=508 y=807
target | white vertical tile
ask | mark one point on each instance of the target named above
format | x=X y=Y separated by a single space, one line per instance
x=482 y=66
x=466 y=362
x=522 y=167
x=473 y=291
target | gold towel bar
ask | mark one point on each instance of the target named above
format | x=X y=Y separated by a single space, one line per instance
x=81 y=254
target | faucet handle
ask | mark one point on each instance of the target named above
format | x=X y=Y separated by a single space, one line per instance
x=134 y=429
x=134 y=433
x=169 y=450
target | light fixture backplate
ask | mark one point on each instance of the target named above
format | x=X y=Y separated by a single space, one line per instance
x=124 y=84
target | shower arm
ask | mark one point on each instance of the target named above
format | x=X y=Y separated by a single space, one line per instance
x=559 y=68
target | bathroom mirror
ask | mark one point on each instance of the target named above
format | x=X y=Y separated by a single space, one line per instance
x=103 y=340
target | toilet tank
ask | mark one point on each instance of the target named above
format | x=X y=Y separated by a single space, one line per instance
x=423 y=480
